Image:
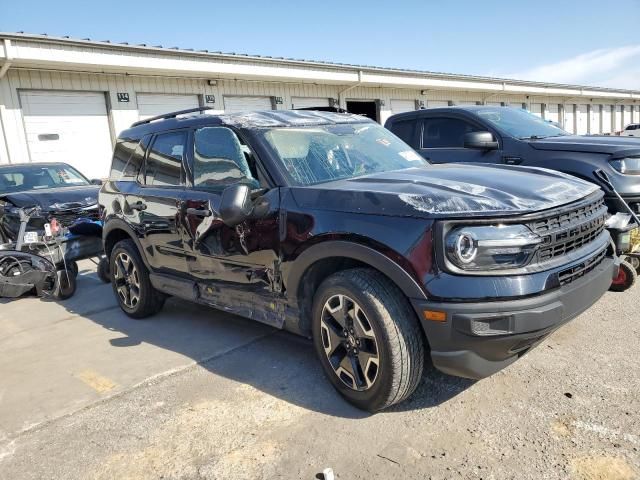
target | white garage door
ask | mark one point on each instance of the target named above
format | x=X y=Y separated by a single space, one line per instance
x=594 y=120
x=569 y=118
x=399 y=106
x=246 y=104
x=153 y=104
x=437 y=103
x=627 y=115
x=70 y=127
x=515 y=105
x=552 y=112
x=494 y=104
x=606 y=119
x=306 y=102
x=582 y=123
x=536 y=109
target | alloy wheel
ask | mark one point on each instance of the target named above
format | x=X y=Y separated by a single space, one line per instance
x=349 y=342
x=127 y=280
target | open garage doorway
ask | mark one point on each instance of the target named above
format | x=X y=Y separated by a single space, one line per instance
x=368 y=108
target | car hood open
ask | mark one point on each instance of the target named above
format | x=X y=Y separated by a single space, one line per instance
x=450 y=190
x=55 y=199
x=576 y=143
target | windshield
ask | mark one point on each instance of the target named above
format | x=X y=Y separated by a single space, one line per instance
x=324 y=153
x=21 y=178
x=519 y=123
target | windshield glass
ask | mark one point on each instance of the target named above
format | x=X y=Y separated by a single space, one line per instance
x=21 y=178
x=320 y=154
x=519 y=123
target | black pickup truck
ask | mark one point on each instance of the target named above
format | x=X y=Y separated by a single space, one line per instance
x=509 y=136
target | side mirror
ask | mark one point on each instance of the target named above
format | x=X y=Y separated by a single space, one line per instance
x=480 y=141
x=96 y=181
x=235 y=204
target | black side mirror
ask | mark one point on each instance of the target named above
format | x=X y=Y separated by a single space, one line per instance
x=96 y=181
x=480 y=141
x=235 y=204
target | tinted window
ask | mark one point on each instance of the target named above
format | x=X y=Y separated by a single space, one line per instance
x=219 y=159
x=445 y=132
x=127 y=159
x=164 y=163
x=405 y=130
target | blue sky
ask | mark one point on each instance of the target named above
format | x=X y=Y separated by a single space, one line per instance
x=587 y=42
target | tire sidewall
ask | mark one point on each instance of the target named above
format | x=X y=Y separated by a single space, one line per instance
x=132 y=252
x=380 y=390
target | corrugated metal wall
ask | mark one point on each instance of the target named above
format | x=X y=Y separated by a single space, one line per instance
x=122 y=114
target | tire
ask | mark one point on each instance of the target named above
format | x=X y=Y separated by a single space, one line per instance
x=397 y=338
x=626 y=278
x=72 y=266
x=130 y=281
x=65 y=285
x=103 y=270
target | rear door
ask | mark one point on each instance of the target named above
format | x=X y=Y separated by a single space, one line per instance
x=157 y=207
x=237 y=267
x=442 y=141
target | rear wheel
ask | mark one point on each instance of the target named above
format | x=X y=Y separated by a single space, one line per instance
x=367 y=337
x=130 y=280
x=65 y=285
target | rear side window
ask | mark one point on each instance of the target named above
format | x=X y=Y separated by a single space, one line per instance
x=405 y=130
x=128 y=157
x=445 y=132
x=164 y=162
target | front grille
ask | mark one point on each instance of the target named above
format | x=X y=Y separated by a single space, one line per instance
x=69 y=218
x=568 y=231
x=573 y=273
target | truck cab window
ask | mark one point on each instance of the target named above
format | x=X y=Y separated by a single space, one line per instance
x=445 y=132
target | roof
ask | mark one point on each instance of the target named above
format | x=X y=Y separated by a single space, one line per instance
x=302 y=62
x=249 y=120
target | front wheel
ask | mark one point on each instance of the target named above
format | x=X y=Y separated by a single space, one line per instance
x=368 y=338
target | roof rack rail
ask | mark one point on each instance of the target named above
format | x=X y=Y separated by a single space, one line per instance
x=170 y=115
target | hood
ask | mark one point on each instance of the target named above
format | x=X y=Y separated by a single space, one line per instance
x=577 y=143
x=55 y=199
x=450 y=190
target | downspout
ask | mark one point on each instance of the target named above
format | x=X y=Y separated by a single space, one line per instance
x=341 y=100
x=7 y=57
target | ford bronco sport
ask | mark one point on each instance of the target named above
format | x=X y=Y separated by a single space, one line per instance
x=331 y=227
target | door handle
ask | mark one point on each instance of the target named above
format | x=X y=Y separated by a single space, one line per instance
x=138 y=206
x=199 y=212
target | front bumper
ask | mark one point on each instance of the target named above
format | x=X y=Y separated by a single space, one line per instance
x=479 y=339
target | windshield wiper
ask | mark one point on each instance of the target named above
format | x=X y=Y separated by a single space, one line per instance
x=534 y=137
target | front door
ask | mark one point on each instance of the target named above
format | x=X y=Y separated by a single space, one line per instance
x=237 y=268
x=442 y=141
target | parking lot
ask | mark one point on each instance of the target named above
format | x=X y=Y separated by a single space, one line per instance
x=86 y=392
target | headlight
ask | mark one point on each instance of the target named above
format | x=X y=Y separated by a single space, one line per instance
x=494 y=247
x=627 y=166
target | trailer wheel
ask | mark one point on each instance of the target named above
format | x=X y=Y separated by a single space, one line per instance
x=72 y=266
x=65 y=285
x=103 y=270
x=626 y=278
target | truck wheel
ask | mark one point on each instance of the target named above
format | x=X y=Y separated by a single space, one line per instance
x=367 y=337
x=130 y=280
x=103 y=270
x=626 y=278
x=65 y=285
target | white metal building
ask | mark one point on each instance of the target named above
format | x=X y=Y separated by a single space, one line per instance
x=66 y=99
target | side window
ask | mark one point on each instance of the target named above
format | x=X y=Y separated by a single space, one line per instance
x=445 y=132
x=127 y=159
x=405 y=130
x=164 y=163
x=220 y=159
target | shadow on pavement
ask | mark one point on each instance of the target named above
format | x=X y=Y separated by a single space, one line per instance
x=273 y=361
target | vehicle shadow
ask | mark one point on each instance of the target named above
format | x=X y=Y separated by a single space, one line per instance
x=276 y=362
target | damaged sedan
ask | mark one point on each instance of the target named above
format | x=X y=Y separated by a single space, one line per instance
x=49 y=220
x=330 y=226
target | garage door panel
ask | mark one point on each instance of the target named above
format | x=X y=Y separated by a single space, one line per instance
x=307 y=102
x=246 y=104
x=400 y=106
x=154 y=104
x=70 y=127
x=437 y=103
